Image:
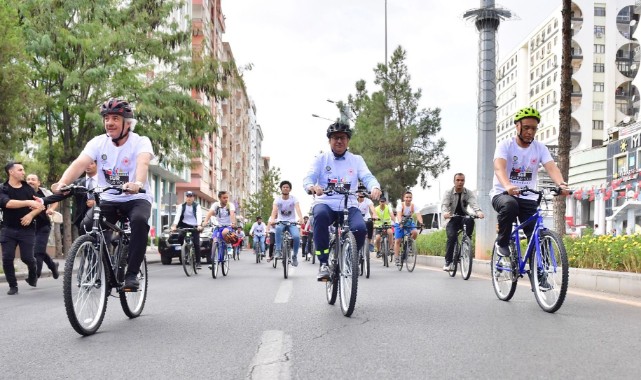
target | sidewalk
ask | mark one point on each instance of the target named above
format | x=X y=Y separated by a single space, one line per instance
x=152 y=256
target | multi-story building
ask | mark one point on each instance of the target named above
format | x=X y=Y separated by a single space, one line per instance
x=603 y=63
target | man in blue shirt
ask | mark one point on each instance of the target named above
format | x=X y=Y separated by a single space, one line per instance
x=341 y=168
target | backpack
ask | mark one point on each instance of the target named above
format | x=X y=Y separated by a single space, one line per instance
x=194 y=206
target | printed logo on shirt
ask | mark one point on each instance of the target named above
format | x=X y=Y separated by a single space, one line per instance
x=103 y=157
x=350 y=171
x=116 y=177
x=328 y=169
x=338 y=182
x=515 y=159
x=126 y=161
x=521 y=173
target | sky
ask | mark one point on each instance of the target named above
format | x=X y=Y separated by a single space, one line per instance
x=304 y=52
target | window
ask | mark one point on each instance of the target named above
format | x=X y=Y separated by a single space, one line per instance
x=599 y=87
x=599 y=11
x=599 y=67
x=599 y=48
x=597 y=106
x=597 y=124
x=599 y=31
x=620 y=164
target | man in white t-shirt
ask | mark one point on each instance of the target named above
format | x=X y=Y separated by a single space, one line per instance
x=122 y=158
x=283 y=211
x=258 y=232
x=366 y=207
x=516 y=163
x=225 y=213
x=405 y=214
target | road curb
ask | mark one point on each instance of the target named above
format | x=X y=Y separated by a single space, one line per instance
x=623 y=283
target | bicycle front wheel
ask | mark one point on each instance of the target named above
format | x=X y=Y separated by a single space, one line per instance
x=331 y=286
x=550 y=278
x=85 y=286
x=286 y=254
x=503 y=276
x=186 y=259
x=133 y=302
x=214 y=260
x=384 y=249
x=456 y=256
x=410 y=260
x=466 y=257
x=348 y=277
x=224 y=264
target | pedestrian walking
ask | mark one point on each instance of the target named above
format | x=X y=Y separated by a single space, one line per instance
x=43 y=229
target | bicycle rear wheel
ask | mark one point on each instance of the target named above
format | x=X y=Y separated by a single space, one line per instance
x=466 y=258
x=348 y=277
x=133 y=302
x=364 y=259
x=550 y=279
x=186 y=259
x=85 y=286
x=410 y=259
x=214 y=260
x=503 y=277
x=456 y=257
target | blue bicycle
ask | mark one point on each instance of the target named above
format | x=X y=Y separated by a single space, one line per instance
x=408 y=245
x=220 y=252
x=545 y=256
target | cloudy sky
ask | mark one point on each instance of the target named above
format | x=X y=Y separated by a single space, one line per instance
x=305 y=52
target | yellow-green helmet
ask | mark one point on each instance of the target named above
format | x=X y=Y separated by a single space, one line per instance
x=527 y=112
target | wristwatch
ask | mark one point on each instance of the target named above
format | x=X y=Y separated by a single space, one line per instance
x=140 y=184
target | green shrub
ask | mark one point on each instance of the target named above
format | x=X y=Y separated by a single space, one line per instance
x=619 y=253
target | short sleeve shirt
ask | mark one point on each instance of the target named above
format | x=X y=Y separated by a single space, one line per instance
x=364 y=206
x=223 y=214
x=286 y=209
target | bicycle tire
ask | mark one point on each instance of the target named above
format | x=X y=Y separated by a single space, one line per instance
x=366 y=259
x=410 y=260
x=286 y=254
x=390 y=253
x=185 y=259
x=384 y=249
x=313 y=249
x=455 y=258
x=133 y=302
x=214 y=260
x=331 y=286
x=195 y=259
x=84 y=286
x=257 y=253
x=401 y=258
x=503 y=278
x=224 y=265
x=348 y=280
x=554 y=270
x=466 y=258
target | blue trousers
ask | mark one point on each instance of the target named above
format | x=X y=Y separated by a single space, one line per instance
x=260 y=240
x=324 y=216
x=293 y=230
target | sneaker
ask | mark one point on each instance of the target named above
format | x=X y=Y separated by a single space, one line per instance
x=323 y=273
x=503 y=251
x=13 y=290
x=278 y=255
x=397 y=260
x=371 y=247
x=447 y=267
x=54 y=271
x=294 y=261
x=378 y=254
x=32 y=281
x=131 y=282
x=543 y=282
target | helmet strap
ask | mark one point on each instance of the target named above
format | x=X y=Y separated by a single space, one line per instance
x=122 y=135
x=339 y=155
x=523 y=140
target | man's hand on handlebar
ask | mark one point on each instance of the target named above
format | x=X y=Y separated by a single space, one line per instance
x=512 y=190
x=480 y=215
x=131 y=187
x=375 y=194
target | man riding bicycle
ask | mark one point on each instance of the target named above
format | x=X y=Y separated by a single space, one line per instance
x=190 y=215
x=225 y=213
x=516 y=163
x=122 y=157
x=456 y=202
x=257 y=232
x=384 y=214
x=283 y=211
x=345 y=169
x=366 y=207
x=405 y=213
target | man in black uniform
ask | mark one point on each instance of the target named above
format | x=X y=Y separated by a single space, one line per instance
x=19 y=210
x=43 y=229
x=82 y=216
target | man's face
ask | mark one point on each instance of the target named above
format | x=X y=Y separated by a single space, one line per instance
x=114 y=125
x=339 y=141
x=383 y=204
x=526 y=128
x=407 y=198
x=459 y=182
x=92 y=169
x=17 y=172
x=259 y=221
x=189 y=199
x=33 y=181
x=285 y=189
x=224 y=199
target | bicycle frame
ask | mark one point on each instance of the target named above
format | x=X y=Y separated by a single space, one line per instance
x=220 y=243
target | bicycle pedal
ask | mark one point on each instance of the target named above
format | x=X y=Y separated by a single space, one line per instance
x=130 y=290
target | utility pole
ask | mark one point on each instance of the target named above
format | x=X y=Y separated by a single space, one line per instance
x=487 y=19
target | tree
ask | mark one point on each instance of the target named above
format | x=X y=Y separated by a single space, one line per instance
x=394 y=136
x=260 y=203
x=565 y=118
x=15 y=94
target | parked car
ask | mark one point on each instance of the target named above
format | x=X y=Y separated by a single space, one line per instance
x=170 y=243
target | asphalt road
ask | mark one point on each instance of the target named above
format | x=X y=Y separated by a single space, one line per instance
x=255 y=324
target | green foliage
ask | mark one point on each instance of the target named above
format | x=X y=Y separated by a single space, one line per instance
x=395 y=137
x=433 y=244
x=260 y=203
x=619 y=253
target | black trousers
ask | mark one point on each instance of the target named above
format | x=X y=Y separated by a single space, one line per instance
x=10 y=238
x=369 y=224
x=138 y=212
x=40 y=249
x=272 y=240
x=195 y=238
x=452 y=229
x=509 y=208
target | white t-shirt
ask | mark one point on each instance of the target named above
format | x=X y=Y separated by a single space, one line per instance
x=223 y=214
x=404 y=210
x=363 y=207
x=258 y=229
x=286 y=209
x=116 y=165
x=522 y=165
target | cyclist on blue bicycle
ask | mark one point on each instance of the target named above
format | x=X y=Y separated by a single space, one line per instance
x=342 y=168
x=405 y=213
x=456 y=202
x=225 y=213
x=283 y=211
x=516 y=164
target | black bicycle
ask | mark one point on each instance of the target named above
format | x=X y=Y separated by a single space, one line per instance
x=384 y=250
x=462 y=250
x=188 y=256
x=96 y=264
x=286 y=248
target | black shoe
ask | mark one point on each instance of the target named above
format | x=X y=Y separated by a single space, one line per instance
x=13 y=290
x=503 y=251
x=378 y=255
x=131 y=282
x=32 y=281
x=323 y=273
x=54 y=271
x=544 y=285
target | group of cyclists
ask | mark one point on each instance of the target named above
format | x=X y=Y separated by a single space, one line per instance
x=123 y=157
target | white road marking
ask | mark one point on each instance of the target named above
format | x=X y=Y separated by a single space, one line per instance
x=285 y=289
x=272 y=359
